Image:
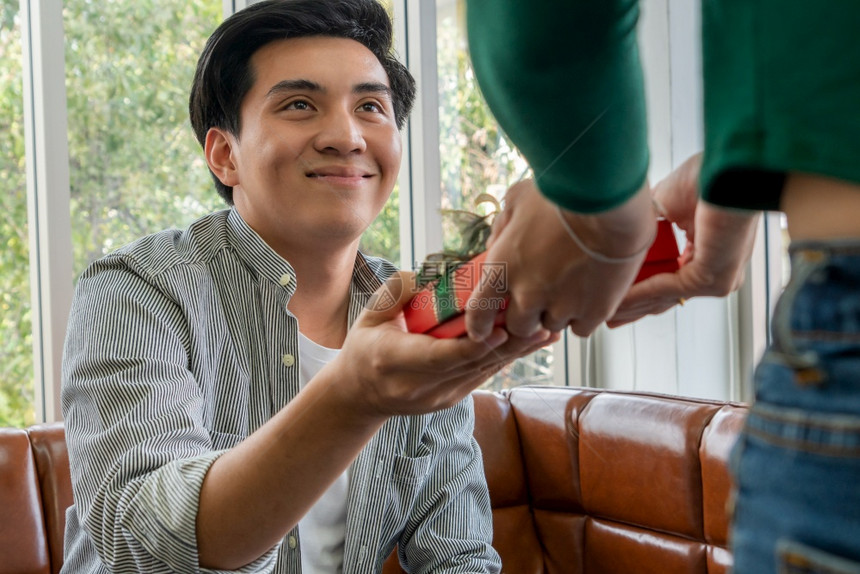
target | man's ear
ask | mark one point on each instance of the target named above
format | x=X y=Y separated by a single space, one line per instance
x=219 y=156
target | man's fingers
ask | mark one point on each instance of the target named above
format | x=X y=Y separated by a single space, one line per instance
x=439 y=356
x=479 y=372
x=629 y=315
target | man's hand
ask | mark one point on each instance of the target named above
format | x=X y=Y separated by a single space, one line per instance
x=394 y=372
x=720 y=243
x=551 y=282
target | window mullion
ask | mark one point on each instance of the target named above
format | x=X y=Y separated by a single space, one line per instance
x=230 y=7
x=47 y=153
x=424 y=162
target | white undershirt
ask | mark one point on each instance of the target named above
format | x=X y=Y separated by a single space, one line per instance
x=323 y=529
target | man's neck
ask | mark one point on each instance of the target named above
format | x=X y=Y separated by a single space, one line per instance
x=321 y=300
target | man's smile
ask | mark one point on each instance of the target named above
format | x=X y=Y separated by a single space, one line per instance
x=341 y=175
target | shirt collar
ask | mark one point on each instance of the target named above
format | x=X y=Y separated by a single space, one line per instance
x=259 y=257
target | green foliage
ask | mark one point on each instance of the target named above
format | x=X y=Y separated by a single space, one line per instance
x=16 y=384
x=476 y=157
x=136 y=167
x=382 y=238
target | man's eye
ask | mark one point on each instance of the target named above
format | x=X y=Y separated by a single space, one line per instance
x=371 y=107
x=298 y=105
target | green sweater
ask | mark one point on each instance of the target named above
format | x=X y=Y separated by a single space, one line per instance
x=564 y=80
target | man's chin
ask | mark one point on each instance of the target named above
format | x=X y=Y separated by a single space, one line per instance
x=340 y=232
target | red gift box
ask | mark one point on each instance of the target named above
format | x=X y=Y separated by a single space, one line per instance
x=663 y=256
x=438 y=309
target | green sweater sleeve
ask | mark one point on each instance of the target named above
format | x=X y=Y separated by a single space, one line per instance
x=565 y=83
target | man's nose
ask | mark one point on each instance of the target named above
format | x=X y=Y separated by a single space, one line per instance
x=340 y=131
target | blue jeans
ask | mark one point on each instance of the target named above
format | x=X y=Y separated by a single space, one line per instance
x=797 y=462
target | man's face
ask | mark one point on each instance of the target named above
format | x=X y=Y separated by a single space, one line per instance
x=318 y=151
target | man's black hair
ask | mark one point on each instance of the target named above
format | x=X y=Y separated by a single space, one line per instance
x=224 y=74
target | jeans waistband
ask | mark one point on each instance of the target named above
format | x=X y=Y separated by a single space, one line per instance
x=824 y=433
x=820 y=304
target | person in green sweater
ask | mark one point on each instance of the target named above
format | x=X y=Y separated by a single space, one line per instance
x=782 y=132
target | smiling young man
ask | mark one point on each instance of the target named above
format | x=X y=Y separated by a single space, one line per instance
x=316 y=159
x=229 y=405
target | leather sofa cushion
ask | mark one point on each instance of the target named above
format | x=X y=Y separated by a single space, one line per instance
x=52 y=461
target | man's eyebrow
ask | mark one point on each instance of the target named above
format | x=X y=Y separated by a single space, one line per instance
x=302 y=85
x=294 y=86
x=372 y=88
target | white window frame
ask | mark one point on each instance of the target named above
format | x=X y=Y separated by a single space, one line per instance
x=47 y=158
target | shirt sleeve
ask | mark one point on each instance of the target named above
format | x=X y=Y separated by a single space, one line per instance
x=565 y=83
x=138 y=447
x=451 y=526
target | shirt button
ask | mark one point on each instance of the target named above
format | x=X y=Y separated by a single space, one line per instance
x=285 y=280
x=292 y=542
x=288 y=360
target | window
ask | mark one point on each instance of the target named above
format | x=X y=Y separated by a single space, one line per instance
x=382 y=238
x=475 y=159
x=135 y=165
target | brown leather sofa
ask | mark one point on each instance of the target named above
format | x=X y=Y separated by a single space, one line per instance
x=35 y=490
x=581 y=481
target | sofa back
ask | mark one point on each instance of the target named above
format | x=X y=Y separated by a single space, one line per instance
x=581 y=481
x=610 y=482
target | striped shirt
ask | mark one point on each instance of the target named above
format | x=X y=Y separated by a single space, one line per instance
x=178 y=347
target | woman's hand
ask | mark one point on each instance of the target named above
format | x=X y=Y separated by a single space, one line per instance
x=720 y=244
x=551 y=281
